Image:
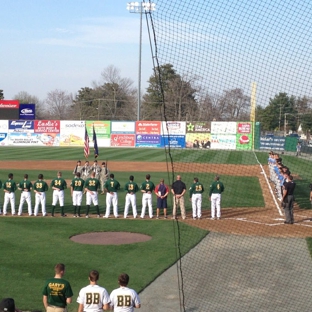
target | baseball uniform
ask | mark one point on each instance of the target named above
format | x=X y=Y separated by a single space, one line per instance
x=93 y=298
x=25 y=186
x=216 y=188
x=131 y=188
x=147 y=187
x=0 y=188
x=58 y=185
x=76 y=187
x=124 y=299
x=9 y=187
x=40 y=189
x=92 y=186
x=111 y=186
x=196 y=191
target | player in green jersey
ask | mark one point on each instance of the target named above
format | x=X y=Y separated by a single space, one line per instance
x=92 y=186
x=131 y=188
x=76 y=190
x=147 y=189
x=111 y=187
x=9 y=188
x=40 y=189
x=196 y=191
x=216 y=188
x=25 y=186
x=58 y=186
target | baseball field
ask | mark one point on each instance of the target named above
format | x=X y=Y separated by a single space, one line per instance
x=31 y=246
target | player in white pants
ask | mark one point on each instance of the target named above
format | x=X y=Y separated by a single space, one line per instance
x=216 y=188
x=40 y=187
x=147 y=189
x=131 y=188
x=9 y=187
x=25 y=186
x=111 y=187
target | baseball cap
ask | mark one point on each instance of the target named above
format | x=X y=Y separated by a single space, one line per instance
x=7 y=305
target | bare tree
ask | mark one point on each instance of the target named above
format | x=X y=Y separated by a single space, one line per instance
x=59 y=104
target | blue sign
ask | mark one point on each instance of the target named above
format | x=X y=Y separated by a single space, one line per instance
x=148 y=140
x=173 y=141
x=21 y=126
x=27 y=111
x=272 y=143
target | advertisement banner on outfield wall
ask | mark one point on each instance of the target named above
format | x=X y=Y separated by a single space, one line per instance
x=244 y=136
x=148 y=140
x=72 y=133
x=4 y=129
x=102 y=130
x=272 y=143
x=33 y=139
x=47 y=126
x=27 y=111
x=21 y=126
x=198 y=127
x=223 y=127
x=173 y=141
x=222 y=141
x=122 y=140
x=147 y=127
x=173 y=128
x=198 y=140
x=123 y=127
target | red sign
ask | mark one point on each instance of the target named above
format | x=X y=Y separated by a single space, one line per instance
x=47 y=126
x=12 y=104
x=147 y=127
x=123 y=140
x=243 y=127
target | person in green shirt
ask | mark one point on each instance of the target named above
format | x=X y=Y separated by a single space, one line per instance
x=216 y=188
x=58 y=186
x=196 y=191
x=111 y=187
x=40 y=189
x=92 y=186
x=76 y=190
x=57 y=292
x=147 y=189
x=25 y=186
x=131 y=188
x=9 y=188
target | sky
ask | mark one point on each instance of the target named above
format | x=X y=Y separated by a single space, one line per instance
x=66 y=44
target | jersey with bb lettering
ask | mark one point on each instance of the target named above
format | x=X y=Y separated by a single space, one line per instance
x=59 y=183
x=77 y=184
x=93 y=297
x=25 y=185
x=92 y=184
x=124 y=299
x=40 y=186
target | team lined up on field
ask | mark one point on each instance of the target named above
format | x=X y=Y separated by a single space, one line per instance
x=90 y=179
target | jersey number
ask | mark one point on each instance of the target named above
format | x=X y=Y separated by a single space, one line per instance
x=130 y=187
x=57 y=182
x=39 y=185
x=198 y=188
x=123 y=301
x=8 y=184
x=91 y=182
x=92 y=298
x=77 y=183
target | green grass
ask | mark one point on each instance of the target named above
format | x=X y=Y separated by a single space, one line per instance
x=30 y=247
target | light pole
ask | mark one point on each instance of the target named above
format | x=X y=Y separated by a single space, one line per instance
x=140 y=7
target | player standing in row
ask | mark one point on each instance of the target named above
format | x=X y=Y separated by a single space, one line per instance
x=131 y=188
x=93 y=298
x=9 y=188
x=40 y=189
x=85 y=171
x=216 y=188
x=76 y=190
x=124 y=299
x=58 y=186
x=25 y=186
x=78 y=168
x=0 y=188
x=111 y=187
x=104 y=175
x=161 y=191
x=147 y=189
x=196 y=191
x=92 y=186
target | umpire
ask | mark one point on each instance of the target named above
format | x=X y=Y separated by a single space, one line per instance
x=288 y=199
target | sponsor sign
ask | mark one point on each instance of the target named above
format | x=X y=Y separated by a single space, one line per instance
x=173 y=128
x=221 y=141
x=10 y=104
x=272 y=143
x=244 y=136
x=102 y=130
x=123 y=127
x=173 y=141
x=33 y=139
x=198 y=126
x=244 y=127
x=47 y=126
x=198 y=140
x=72 y=133
x=148 y=140
x=147 y=127
x=223 y=127
x=4 y=127
x=27 y=111
x=21 y=126
x=122 y=140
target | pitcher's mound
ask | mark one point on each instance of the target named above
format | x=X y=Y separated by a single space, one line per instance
x=110 y=238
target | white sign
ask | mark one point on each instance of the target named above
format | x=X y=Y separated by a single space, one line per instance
x=173 y=128
x=223 y=127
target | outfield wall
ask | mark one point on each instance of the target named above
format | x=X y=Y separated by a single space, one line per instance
x=136 y=134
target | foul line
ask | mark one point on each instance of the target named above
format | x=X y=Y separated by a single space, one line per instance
x=269 y=185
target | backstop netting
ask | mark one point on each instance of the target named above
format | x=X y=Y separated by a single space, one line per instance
x=237 y=62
